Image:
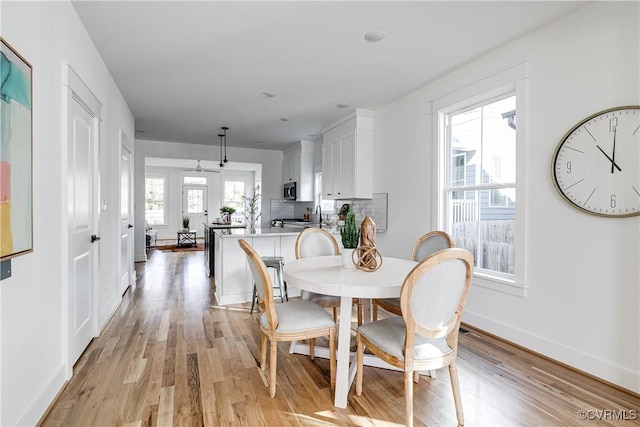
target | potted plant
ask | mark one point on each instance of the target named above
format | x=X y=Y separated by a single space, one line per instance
x=252 y=208
x=185 y=222
x=350 y=236
x=226 y=212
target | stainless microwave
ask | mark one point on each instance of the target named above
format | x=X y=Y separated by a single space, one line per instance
x=289 y=191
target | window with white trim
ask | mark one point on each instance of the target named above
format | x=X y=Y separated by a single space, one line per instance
x=233 y=193
x=155 y=205
x=479 y=163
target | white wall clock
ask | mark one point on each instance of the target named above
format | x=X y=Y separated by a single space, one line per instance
x=596 y=166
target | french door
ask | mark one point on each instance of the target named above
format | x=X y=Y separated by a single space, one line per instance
x=194 y=205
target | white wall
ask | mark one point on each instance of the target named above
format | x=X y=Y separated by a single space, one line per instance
x=582 y=306
x=270 y=160
x=33 y=323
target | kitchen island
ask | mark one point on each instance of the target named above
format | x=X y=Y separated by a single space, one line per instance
x=233 y=280
x=209 y=253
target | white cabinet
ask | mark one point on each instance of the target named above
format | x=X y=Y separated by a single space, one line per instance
x=347 y=157
x=234 y=282
x=297 y=166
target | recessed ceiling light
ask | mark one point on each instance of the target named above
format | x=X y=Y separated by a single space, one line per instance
x=268 y=94
x=374 y=36
x=285 y=119
x=342 y=105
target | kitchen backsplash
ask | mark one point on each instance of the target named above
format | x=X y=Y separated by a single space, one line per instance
x=288 y=209
x=376 y=208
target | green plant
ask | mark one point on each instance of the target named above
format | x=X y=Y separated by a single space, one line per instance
x=228 y=209
x=185 y=221
x=350 y=233
x=252 y=207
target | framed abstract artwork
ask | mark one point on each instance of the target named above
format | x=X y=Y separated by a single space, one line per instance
x=16 y=162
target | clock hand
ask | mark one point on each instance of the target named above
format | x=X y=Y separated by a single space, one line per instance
x=610 y=159
x=613 y=155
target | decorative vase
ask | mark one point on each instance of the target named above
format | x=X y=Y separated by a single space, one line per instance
x=347 y=258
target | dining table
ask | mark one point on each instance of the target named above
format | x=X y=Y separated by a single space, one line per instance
x=326 y=275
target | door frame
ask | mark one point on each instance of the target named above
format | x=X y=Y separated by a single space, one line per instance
x=76 y=91
x=126 y=143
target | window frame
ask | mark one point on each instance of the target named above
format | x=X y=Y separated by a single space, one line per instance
x=165 y=185
x=511 y=79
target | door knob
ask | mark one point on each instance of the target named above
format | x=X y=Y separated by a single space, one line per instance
x=130 y=226
x=94 y=238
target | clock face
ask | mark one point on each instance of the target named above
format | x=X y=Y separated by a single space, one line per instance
x=596 y=166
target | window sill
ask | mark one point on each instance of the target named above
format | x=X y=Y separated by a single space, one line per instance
x=498 y=284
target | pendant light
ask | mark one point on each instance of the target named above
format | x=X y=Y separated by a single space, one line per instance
x=221 y=136
x=225 y=129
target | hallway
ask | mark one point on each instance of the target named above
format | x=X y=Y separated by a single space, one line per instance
x=171 y=356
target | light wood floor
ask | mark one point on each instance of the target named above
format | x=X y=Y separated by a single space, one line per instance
x=171 y=356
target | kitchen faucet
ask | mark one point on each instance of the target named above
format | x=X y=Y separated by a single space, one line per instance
x=319 y=209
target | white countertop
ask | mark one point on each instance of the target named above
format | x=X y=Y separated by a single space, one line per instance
x=257 y=232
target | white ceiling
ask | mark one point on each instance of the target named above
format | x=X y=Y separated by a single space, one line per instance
x=188 y=68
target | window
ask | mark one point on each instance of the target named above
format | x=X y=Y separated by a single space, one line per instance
x=481 y=168
x=327 y=206
x=155 y=200
x=197 y=180
x=195 y=198
x=233 y=192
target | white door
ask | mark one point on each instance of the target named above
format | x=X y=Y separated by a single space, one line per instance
x=126 y=213
x=194 y=205
x=83 y=241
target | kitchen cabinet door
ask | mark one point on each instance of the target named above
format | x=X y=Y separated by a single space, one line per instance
x=234 y=282
x=347 y=157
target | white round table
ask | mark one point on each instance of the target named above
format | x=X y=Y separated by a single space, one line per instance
x=326 y=275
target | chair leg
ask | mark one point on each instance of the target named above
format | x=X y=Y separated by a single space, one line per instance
x=453 y=373
x=253 y=300
x=263 y=352
x=312 y=344
x=335 y=314
x=375 y=310
x=416 y=376
x=359 y=363
x=332 y=357
x=359 y=310
x=408 y=398
x=273 y=361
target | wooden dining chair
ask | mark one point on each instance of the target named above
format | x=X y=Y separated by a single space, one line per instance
x=290 y=321
x=426 y=245
x=425 y=337
x=319 y=242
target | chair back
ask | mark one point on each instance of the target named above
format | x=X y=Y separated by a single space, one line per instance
x=434 y=294
x=316 y=242
x=431 y=243
x=262 y=279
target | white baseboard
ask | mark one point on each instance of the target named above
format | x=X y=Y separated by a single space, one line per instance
x=140 y=257
x=44 y=398
x=577 y=359
x=108 y=311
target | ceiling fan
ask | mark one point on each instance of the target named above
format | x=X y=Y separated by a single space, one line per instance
x=199 y=168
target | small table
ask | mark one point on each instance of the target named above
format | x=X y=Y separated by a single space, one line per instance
x=326 y=275
x=186 y=239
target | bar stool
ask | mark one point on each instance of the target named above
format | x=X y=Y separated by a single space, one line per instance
x=275 y=262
